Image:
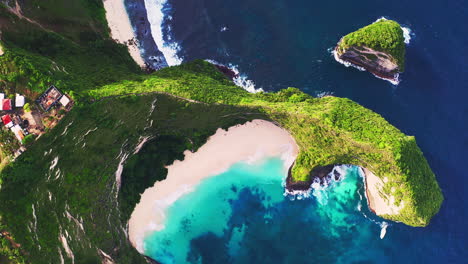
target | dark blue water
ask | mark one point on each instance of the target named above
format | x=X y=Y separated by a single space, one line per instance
x=280 y=43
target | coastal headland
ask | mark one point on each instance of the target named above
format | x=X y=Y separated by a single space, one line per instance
x=73 y=191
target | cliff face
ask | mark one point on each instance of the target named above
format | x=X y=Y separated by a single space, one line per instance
x=378 y=63
x=378 y=48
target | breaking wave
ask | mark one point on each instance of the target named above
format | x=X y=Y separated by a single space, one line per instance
x=406 y=31
x=407 y=34
x=157 y=10
x=240 y=79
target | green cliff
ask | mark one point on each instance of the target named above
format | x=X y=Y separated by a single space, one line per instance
x=65 y=186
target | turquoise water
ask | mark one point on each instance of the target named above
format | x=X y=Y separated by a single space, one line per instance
x=243 y=216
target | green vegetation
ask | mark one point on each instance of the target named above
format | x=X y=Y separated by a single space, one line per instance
x=83 y=58
x=328 y=130
x=9 y=253
x=100 y=135
x=66 y=182
x=27 y=107
x=28 y=140
x=191 y=101
x=384 y=35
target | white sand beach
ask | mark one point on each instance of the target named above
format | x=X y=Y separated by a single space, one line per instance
x=379 y=203
x=250 y=142
x=121 y=28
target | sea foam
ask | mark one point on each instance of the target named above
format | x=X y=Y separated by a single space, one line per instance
x=241 y=79
x=407 y=34
x=157 y=10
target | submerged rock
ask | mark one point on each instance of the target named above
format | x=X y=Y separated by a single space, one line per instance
x=378 y=48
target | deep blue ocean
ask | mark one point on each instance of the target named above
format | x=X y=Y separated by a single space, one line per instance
x=279 y=43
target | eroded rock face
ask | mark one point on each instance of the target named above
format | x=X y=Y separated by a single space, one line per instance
x=380 y=203
x=378 y=63
x=319 y=172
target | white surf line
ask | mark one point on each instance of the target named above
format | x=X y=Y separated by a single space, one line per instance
x=241 y=79
x=121 y=28
x=407 y=34
x=155 y=14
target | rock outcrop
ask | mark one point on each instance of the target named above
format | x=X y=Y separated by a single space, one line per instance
x=319 y=173
x=378 y=63
x=378 y=48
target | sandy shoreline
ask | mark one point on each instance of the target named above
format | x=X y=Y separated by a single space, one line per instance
x=121 y=28
x=250 y=142
x=379 y=203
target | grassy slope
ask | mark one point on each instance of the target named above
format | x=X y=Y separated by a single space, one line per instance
x=384 y=35
x=80 y=60
x=96 y=137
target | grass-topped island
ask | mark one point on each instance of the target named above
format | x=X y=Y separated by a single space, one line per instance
x=378 y=48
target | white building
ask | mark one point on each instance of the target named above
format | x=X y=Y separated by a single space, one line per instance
x=19 y=100
x=64 y=100
x=16 y=129
x=2 y=96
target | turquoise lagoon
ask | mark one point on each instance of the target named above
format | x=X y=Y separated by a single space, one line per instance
x=244 y=216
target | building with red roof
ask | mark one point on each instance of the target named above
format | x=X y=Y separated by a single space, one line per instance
x=6 y=105
x=6 y=119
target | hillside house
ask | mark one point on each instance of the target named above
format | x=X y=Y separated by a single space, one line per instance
x=49 y=98
x=19 y=100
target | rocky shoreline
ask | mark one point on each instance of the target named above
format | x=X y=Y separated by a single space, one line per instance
x=319 y=173
x=153 y=57
x=228 y=72
x=375 y=201
x=383 y=69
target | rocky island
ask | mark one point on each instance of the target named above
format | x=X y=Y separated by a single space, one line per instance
x=378 y=48
x=69 y=197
